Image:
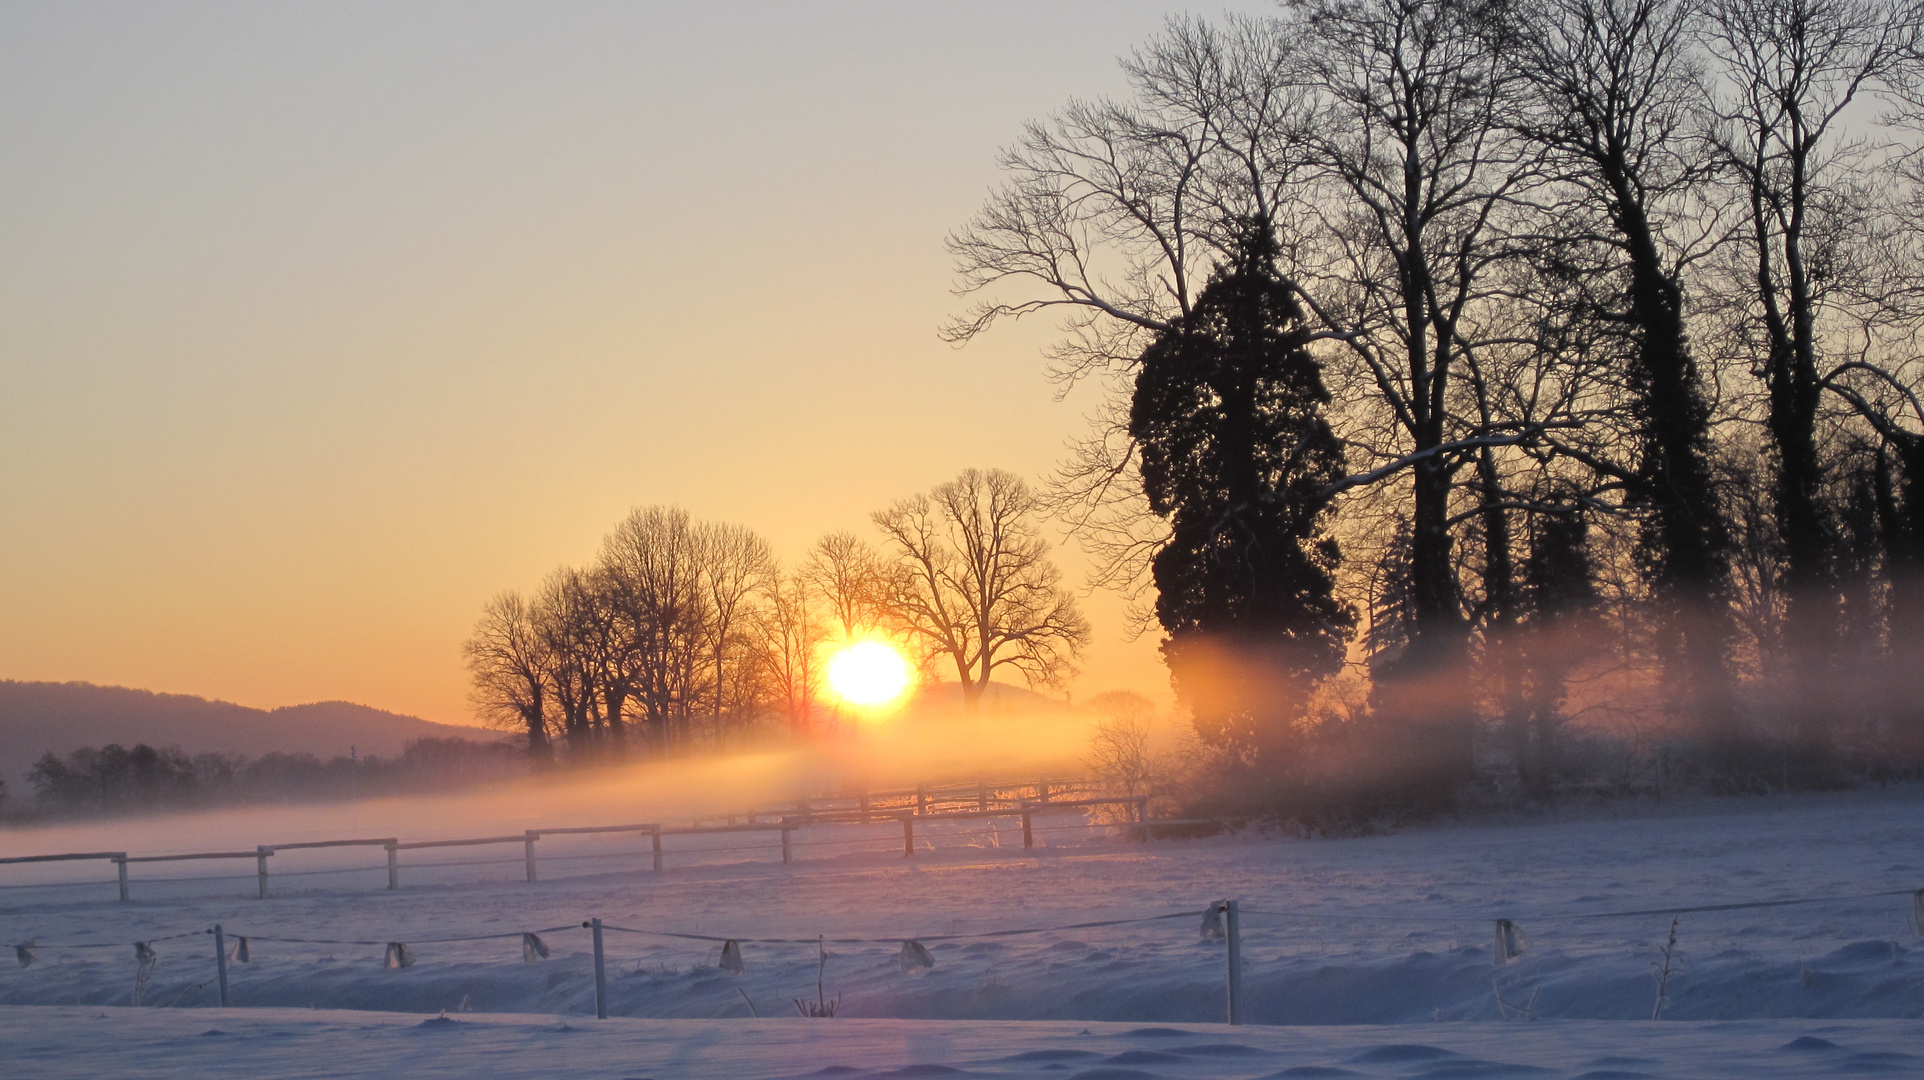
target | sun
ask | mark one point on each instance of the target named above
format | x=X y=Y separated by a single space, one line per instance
x=869 y=674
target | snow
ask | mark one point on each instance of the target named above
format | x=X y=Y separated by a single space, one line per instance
x=1393 y=930
x=52 y=1043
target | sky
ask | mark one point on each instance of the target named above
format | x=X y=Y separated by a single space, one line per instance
x=320 y=324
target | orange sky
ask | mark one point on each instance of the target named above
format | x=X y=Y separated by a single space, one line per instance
x=319 y=324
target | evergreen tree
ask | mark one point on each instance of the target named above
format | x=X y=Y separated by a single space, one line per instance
x=1236 y=453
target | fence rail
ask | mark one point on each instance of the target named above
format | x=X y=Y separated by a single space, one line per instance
x=924 y=803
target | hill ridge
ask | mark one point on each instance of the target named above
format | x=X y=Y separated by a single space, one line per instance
x=41 y=716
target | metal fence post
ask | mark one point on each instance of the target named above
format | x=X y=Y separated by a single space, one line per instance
x=393 y=865
x=260 y=869
x=1233 y=930
x=528 y=848
x=601 y=973
x=121 y=861
x=787 y=855
x=220 y=962
x=908 y=836
x=1028 y=829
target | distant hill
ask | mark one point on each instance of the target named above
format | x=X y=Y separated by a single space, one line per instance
x=36 y=717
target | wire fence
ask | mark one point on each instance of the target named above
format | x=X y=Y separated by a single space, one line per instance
x=1220 y=921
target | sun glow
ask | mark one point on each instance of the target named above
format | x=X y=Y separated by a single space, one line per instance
x=869 y=674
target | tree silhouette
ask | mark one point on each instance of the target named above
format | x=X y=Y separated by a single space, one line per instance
x=1236 y=456
x=969 y=575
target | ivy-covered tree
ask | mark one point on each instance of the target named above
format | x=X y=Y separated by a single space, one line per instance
x=1229 y=414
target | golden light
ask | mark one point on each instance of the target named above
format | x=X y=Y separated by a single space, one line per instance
x=869 y=674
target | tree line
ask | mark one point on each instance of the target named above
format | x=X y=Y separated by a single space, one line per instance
x=1480 y=367
x=117 y=779
x=684 y=634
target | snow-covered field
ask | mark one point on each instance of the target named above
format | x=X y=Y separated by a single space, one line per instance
x=1391 y=930
x=72 y=1043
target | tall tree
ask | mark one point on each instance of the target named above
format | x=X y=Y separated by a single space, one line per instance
x=791 y=635
x=1792 y=70
x=737 y=568
x=652 y=562
x=565 y=619
x=1411 y=140
x=1617 y=96
x=845 y=572
x=1237 y=456
x=971 y=578
x=1112 y=215
x=511 y=664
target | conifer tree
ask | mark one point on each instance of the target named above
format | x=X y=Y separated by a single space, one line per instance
x=1228 y=412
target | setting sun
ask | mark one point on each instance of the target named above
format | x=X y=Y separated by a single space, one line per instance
x=869 y=673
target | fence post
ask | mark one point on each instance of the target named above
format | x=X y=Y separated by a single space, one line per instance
x=1028 y=831
x=656 y=833
x=921 y=798
x=393 y=865
x=261 y=852
x=1233 y=930
x=220 y=962
x=786 y=855
x=527 y=846
x=121 y=860
x=601 y=973
x=908 y=836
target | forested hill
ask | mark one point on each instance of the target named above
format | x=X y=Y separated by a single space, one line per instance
x=36 y=717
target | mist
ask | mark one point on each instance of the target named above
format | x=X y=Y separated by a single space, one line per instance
x=931 y=740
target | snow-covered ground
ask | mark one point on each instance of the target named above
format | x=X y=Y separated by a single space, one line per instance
x=1387 y=930
x=73 y=1043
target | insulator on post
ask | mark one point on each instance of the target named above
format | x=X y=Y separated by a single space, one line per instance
x=915 y=956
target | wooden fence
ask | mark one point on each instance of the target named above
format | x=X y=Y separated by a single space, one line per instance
x=925 y=803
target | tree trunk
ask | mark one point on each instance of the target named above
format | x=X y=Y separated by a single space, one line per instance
x=614 y=701
x=1686 y=536
x=534 y=717
x=1811 y=614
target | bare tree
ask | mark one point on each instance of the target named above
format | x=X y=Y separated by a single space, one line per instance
x=1792 y=71
x=1412 y=142
x=653 y=564
x=1618 y=97
x=737 y=568
x=511 y=664
x=847 y=575
x=791 y=635
x=1119 y=753
x=971 y=578
x=563 y=615
x=1112 y=215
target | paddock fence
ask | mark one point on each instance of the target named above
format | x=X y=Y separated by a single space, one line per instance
x=876 y=820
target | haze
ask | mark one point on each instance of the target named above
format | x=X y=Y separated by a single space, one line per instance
x=318 y=325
